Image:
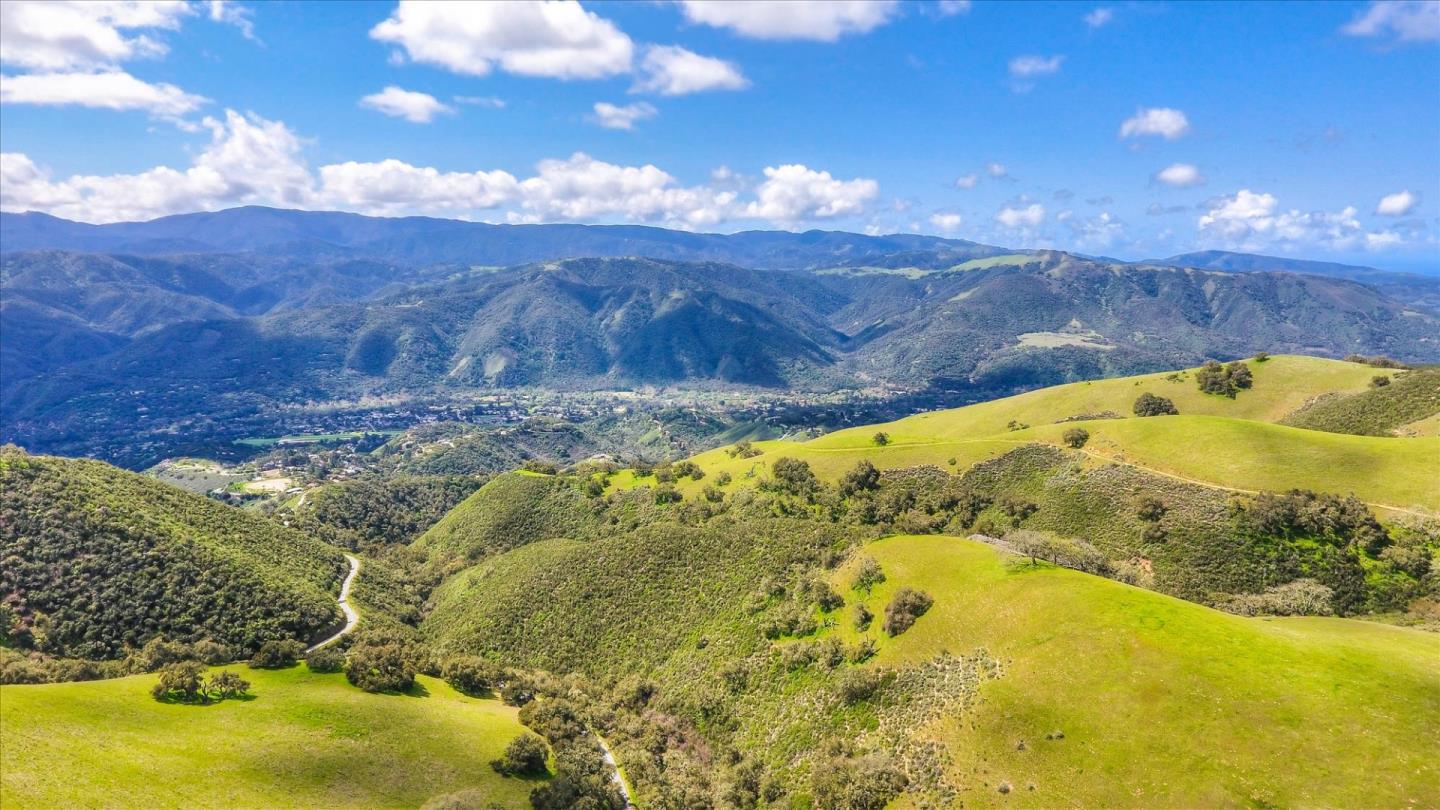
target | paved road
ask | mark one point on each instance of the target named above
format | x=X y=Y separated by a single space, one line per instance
x=615 y=771
x=351 y=617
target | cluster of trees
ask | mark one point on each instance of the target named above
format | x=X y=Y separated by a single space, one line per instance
x=1148 y=404
x=1076 y=437
x=1226 y=380
x=368 y=514
x=185 y=682
x=907 y=605
x=383 y=660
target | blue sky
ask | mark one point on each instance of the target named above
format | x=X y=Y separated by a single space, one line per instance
x=1302 y=129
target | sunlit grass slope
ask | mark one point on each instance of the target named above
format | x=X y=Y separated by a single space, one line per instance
x=1216 y=440
x=304 y=740
x=1162 y=703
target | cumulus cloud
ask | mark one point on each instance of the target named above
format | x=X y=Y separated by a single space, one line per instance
x=1016 y=217
x=1402 y=20
x=391 y=187
x=946 y=222
x=949 y=8
x=795 y=192
x=1248 y=220
x=1165 y=122
x=551 y=38
x=823 y=20
x=1096 y=233
x=996 y=170
x=111 y=90
x=1398 y=204
x=1180 y=175
x=1100 y=17
x=670 y=70
x=583 y=188
x=613 y=116
x=967 y=180
x=1031 y=66
x=492 y=102
x=413 y=106
x=54 y=35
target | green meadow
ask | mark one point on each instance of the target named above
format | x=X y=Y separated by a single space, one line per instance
x=1161 y=702
x=302 y=739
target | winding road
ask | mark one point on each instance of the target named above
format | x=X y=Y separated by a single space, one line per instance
x=351 y=617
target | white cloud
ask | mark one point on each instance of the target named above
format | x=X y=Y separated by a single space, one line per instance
x=1398 y=204
x=1405 y=20
x=493 y=102
x=1096 y=233
x=967 y=180
x=949 y=8
x=55 y=35
x=1252 y=221
x=1100 y=17
x=583 y=188
x=1016 y=218
x=794 y=192
x=946 y=222
x=1180 y=175
x=111 y=90
x=248 y=160
x=413 y=106
x=552 y=38
x=996 y=170
x=231 y=13
x=395 y=187
x=612 y=116
x=1166 y=122
x=674 y=71
x=1030 y=66
x=823 y=20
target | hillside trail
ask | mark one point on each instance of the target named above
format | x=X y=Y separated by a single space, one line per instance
x=1420 y=513
x=615 y=771
x=352 y=618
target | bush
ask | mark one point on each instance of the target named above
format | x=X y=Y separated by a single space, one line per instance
x=743 y=450
x=325 y=659
x=665 y=493
x=863 y=617
x=470 y=674
x=227 y=684
x=381 y=662
x=867 y=783
x=277 y=653
x=793 y=476
x=862 y=478
x=826 y=597
x=861 y=651
x=524 y=756
x=881 y=438
x=860 y=684
x=867 y=575
x=181 y=681
x=907 y=605
x=1261 y=357
x=1379 y=381
x=535 y=465
x=1302 y=597
x=1076 y=437
x=1148 y=404
x=1226 y=380
x=1150 y=508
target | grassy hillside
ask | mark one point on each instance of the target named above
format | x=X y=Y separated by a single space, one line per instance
x=1161 y=702
x=303 y=740
x=1215 y=440
x=99 y=560
x=509 y=511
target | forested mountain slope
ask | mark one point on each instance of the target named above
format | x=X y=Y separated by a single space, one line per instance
x=98 y=561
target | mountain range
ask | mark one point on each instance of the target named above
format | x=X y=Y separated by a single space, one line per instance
x=253 y=307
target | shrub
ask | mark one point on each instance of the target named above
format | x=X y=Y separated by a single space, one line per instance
x=867 y=783
x=860 y=684
x=227 y=684
x=470 y=674
x=535 y=465
x=277 y=653
x=214 y=653
x=1076 y=437
x=861 y=651
x=713 y=494
x=793 y=476
x=881 y=438
x=1302 y=597
x=1379 y=381
x=524 y=756
x=863 y=617
x=181 y=681
x=867 y=575
x=382 y=662
x=722 y=478
x=689 y=469
x=863 y=477
x=667 y=494
x=1148 y=404
x=743 y=450
x=1226 y=380
x=1150 y=508
x=1261 y=357
x=325 y=659
x=826 y=597
x=905 y=607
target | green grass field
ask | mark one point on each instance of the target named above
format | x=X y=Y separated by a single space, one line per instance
x=1163 y=703
x=1231 y=443
x=303 y=740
